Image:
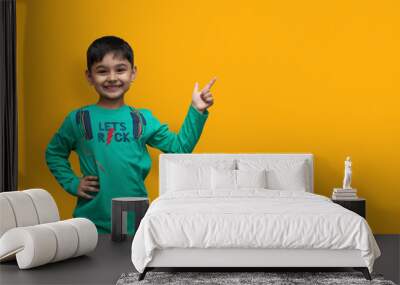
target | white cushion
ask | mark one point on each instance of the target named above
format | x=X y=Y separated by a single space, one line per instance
x=26 y=208
x=40 y=244
x=282 y=174
x=227 y=179
x=32 y=246
x=67 y=240
x=45 y=206
x=23 y=208
x=251 y=178
x=87 y=235
x=193 y=174
x=188 y=177
x=7 y=218
x=223 y=179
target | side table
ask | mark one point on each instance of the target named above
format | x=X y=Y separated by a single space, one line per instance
x=120 y=207
x=357 y=205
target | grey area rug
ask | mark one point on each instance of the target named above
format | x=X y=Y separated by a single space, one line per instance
x=232 y=278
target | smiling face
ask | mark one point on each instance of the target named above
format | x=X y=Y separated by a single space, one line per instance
x=111 y=77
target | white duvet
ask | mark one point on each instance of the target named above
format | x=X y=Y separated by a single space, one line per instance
x=251 y=218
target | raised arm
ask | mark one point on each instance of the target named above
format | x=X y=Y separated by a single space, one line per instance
x=192 y=127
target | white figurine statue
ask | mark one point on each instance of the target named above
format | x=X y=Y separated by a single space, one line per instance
x=347 y=174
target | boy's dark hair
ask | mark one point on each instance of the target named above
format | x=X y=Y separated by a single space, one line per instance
x=101 y=46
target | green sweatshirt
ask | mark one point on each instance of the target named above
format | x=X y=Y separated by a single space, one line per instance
x=111 y=144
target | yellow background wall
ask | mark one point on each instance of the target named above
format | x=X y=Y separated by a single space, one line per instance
x=317 y=77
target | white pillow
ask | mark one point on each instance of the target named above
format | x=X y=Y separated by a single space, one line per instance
x=193 y=174
x=282 y=174
x=237 y=179
x=183 y=177
x=223 y=179
x=251 y=178
x=288 y=179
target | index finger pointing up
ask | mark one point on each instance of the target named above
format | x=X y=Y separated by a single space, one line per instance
x=196 y=87
x=209 y=84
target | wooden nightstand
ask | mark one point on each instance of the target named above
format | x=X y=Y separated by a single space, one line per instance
x=357 y=205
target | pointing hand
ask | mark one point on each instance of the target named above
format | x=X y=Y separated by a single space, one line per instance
x=203 y=99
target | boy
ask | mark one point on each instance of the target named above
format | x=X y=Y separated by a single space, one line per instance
x=110 y=137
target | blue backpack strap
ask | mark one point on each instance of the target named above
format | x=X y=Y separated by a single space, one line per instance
x=84 y=123
x=143 y=119
x=138 y=122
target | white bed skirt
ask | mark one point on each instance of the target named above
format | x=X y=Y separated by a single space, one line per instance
x=213 y=257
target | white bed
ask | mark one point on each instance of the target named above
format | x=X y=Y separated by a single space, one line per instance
x=201 y=220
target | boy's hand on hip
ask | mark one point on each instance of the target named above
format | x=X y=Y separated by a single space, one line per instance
x=88 y=184
x=203 y=99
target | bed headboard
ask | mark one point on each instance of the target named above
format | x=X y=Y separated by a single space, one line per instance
x=167 y=157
